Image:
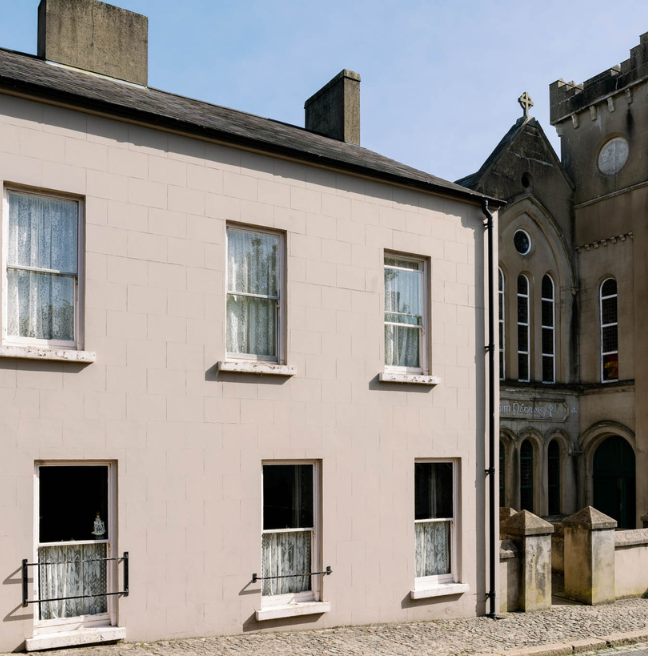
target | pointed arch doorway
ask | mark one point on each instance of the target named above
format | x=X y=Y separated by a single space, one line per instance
x=614 y=481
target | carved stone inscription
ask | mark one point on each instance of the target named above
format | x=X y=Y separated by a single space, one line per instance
x=534 y=410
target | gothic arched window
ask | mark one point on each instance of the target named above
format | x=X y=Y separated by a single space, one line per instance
x=548 y=331
x=502 y=474
x=523 y=327
x=609 y=332
x=526 y=476
x=502 y=325
x=553 y=467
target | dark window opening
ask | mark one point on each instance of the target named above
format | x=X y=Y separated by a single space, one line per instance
x=70 y=498
x=526 y=476
x=554 y=478
x=287 y=496
x=433 y=490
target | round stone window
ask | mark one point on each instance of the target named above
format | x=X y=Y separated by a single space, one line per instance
x=613 y=156
x=522 y=242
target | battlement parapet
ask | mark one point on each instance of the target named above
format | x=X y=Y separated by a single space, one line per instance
x=567 y=98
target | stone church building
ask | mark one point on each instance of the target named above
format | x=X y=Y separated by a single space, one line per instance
x=573 y=274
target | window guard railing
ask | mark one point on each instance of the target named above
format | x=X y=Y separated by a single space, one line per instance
x=25 y=580
x=326 y=572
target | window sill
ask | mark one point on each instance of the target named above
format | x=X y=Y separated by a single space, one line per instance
x=74 y=638
x=440 y=590
x=256 y=367
x=411 y=379
x=293 y=610
x=44 y=353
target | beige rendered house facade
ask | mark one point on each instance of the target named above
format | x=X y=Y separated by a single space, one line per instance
x=242 y=372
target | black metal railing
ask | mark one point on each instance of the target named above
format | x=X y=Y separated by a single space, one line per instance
x=326 y=572
x=25 y=579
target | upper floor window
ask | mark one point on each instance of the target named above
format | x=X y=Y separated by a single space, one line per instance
x=548 y=331
x=405 y=296
x=42 y=270
x=502 y=325
x=254 y=288
x=609 y=332
x=523 y=327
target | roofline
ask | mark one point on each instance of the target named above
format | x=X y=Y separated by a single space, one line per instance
x=11 y=86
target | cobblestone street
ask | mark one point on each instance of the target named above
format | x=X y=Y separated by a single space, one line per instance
x=449 y=638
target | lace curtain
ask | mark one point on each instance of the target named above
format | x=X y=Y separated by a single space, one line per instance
x=402 y=306
x=42 y=235
x=286 y=553
x=253 y=291
x=65 y=572
x=433 y=548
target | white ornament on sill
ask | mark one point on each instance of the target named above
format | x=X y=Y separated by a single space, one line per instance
x=99 y=527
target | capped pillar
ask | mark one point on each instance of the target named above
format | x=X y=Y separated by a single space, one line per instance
x=589 y=556
x=532 y=536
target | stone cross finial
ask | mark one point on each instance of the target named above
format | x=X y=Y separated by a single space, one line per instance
x=526 y=103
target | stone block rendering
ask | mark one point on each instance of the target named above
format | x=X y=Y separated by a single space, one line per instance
x=242 y=371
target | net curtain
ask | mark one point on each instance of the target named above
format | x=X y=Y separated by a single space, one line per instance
x=42 y=234
x=402 y=305
x=252 y=268
x=69 y=571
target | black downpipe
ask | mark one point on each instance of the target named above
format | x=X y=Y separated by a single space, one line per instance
x=490 y=472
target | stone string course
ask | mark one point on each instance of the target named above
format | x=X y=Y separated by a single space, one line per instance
x=561 y=624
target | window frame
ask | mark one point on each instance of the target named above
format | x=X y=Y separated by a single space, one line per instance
x=315 y=593
x=435 y=580
x=526 y=296
x=423 y=367
x=108 y=618
x=79 y=285
x=544 y=355
x=602 y=326
x=281 y=277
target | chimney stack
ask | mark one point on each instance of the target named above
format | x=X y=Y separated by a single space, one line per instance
x=334 y=110
x=94 y=36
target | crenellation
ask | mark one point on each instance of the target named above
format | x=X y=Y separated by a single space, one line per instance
x=567 y=98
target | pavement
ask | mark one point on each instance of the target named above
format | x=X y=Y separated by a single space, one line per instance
x=564 y=629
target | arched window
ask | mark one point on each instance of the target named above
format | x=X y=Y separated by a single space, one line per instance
x=548 y=331
x=502 y=474
x=553 y=465
x=609 y=332
x=523 y=328
x=526 y=476
x=502 y=326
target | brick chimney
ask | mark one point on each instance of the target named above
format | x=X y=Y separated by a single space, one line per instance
x=94 y=36
x=334 y=110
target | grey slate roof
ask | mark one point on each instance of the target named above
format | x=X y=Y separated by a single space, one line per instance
x=30 y=75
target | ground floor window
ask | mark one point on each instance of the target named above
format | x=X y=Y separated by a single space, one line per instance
x=74 y=540
x=434 y=521
x=289 y=540
x=526 y=476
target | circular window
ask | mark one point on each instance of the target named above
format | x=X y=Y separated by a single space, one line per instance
x=522 y=242
x=613 y=156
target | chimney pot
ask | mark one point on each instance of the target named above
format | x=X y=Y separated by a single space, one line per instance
x=94 y=36
x=334 y=110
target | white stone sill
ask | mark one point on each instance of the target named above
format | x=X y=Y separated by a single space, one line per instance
x=411 y=379
x=73 y=638
x=440 y=590
x=42 y=353
x=293 y=610
x=256 y=367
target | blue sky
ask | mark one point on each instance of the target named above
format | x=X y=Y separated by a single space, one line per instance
x=440 y=78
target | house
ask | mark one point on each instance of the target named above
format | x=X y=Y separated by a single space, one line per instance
x=243 y=383
x=572 y=289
